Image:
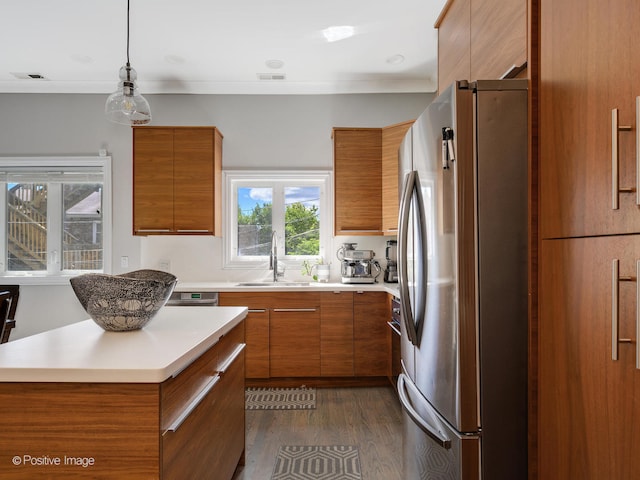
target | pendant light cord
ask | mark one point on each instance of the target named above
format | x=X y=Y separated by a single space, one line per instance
x=128 y=1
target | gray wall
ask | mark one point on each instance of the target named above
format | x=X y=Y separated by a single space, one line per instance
x=260 y=131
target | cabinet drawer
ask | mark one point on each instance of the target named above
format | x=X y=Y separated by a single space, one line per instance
x=228 y=345
x=211 y=437
x=178 y=391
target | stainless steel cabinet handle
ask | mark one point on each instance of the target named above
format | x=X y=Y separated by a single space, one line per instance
x=615 y=307
x=257 y=310
x=150 y=230
x=232 y=358
x=616 y=128
x=394 y=328
x=193 y=405
x=295 y=309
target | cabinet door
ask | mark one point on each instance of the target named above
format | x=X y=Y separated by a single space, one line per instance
x=498 y=37
x=294 y=342
x=454 y=44
x=336 y=334
x=257 y=338
x=392 y=136
x=152 y=180
x=589 y=65
x=588 y=402
x=372 y=336
x=193 y=180
x=358 y=181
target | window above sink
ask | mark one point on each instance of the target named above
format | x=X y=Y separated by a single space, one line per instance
x=296 y=205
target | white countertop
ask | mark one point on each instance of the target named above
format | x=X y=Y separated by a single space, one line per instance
x=84 y=352
x=281 y=286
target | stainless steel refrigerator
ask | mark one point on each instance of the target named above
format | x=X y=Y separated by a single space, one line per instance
x=462 y=261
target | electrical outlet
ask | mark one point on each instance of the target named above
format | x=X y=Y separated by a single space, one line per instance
x=165 y=265
x=124 y=262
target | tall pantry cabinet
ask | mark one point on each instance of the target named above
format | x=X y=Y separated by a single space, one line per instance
x=589 y=263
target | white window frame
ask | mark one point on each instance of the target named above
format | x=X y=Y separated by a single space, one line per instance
x=232 y=179
x=54 y=274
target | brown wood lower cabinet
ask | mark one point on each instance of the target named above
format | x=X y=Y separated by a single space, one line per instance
x=186 y=427
x=336 y=334
x=372 y=337
x=588 y=402
x=315 y=334
x=294 y=342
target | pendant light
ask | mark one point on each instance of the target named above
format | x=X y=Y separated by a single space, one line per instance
x=126 y=105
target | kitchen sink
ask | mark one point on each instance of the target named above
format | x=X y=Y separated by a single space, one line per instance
x=273 y=284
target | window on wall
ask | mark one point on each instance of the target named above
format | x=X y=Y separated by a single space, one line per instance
x=293 y=205
x=55 y=216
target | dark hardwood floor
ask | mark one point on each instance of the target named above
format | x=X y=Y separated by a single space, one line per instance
x=367 y=417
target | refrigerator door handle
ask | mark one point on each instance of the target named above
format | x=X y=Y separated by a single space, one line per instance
x=403 y=225
x=413 y=323
x=432 y=431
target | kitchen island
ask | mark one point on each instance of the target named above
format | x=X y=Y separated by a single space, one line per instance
x=163 y=402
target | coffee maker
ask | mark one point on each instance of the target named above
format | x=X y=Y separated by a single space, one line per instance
x=357 y=266
x=391 y=253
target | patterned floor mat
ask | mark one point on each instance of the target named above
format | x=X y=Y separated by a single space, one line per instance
x=317 y=462
x=301 y=398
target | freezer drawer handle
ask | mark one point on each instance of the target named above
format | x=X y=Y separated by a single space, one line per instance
x=616 y=128
x=615 y=307
x=430 y=430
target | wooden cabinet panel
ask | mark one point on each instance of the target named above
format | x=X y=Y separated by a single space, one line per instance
x=358 y=181
x=294 y=342
x=256 y=329
x=589 y=63
x=392 y=136
x=498 y=37
x=193 y=179
x=177 y=180
x=588 y=403
x=454 y=43
x=336 y=334
x=153 y=179
x=116 y=425
x=372 y=336
x=257 y=338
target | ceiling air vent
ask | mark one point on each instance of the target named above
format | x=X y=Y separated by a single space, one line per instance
x=28 y=76
x=272 y=76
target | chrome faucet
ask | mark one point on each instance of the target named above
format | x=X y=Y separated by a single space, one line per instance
x=273 y=258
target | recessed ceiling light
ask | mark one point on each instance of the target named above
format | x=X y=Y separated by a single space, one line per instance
x=274 y=63
x=336 y=33
x=395 y=59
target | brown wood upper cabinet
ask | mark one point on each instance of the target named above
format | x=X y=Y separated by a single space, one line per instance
x=357 y=166
x=480 y=39
x=177 y=180
x=392 y=136
x=366 y=179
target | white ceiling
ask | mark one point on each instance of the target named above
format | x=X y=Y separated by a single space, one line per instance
x=219 y=46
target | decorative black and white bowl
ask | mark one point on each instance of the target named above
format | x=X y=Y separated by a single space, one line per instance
x=124 y=302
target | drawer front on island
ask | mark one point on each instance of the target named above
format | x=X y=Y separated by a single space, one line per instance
x=206 y=437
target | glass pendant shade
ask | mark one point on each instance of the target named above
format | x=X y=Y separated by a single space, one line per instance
x=126 y=105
